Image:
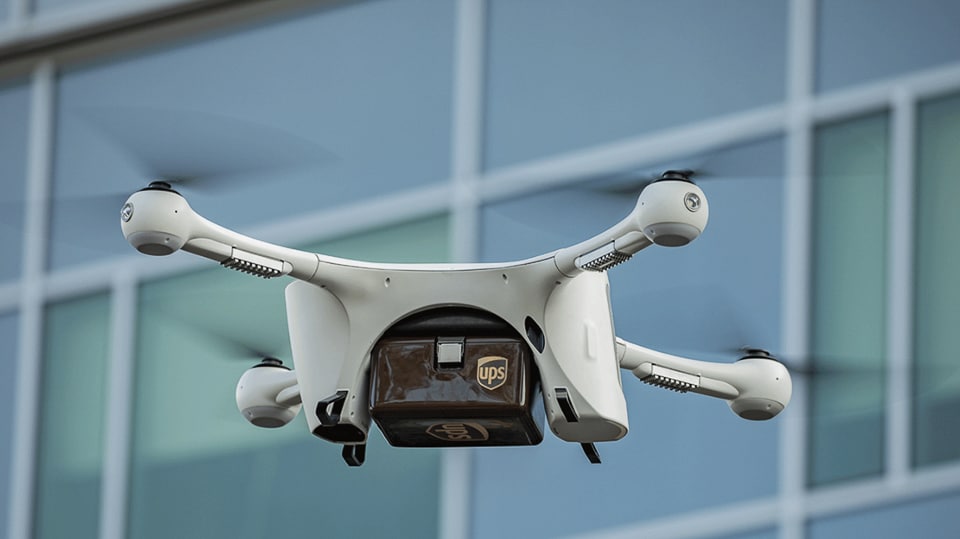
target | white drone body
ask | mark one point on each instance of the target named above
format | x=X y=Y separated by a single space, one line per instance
x=338 y=309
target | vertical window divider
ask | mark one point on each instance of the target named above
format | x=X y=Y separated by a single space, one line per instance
x=900 y=285
x=119 y=405
x=19 y=12
x=467 y=147
x=29 y=371
x=801 y=53
x=468 y=84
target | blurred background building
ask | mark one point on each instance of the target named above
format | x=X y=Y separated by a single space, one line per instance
x=483 y=130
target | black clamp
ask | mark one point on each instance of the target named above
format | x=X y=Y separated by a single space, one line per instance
x=570 y=414
x=354 y=455
x=329 y=419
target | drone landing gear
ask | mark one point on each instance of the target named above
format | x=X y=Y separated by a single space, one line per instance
x=328 y=413
x=590 y=450
x=570 y=414
x=354 y=455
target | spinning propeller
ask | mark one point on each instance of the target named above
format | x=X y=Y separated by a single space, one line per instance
x=202 y=152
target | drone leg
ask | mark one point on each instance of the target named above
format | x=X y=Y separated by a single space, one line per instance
x=354 y=455
x=590 y=450
x=326 y=418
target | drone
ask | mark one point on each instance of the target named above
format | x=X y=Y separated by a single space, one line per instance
x=477 y=354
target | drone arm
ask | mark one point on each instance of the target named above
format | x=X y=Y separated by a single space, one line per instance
x=605 y=250
x=755 y=387
x=289 y=396
x=670 y=213
x=159 y=222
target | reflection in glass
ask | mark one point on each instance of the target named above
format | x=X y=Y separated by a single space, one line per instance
x=847 y=340
x=72 y=418
x=14 y=108
x=937 y=370
x=195 y=457
x=301 y=112
x=8 y=364
x=563 y=75
x=861 y=41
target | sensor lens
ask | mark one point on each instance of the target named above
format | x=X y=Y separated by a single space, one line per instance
x=126 y=213
x=692 y=201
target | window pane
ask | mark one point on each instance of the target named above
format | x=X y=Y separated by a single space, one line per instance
x=865 y=40
x=14 y=111
x=307 y=110
x=937 y=375
x=195 y=457
x=567 y=74
x=849 y=298
x=72 y=418
x=8 y=362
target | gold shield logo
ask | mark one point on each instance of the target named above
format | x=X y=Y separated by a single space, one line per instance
x=492 y=372
x=456 y=431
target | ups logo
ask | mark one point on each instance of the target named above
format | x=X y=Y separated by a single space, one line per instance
x=492 y=371
x=458 y=432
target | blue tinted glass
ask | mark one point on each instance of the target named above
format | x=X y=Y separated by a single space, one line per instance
x=8 y=362
x=704 y=300
x=300 y=113
x=936 y=384
x=933 y=518
x=864 y=40
x=848 y=323
x=72 y=411
x=14 y=110
x=566 y=74
x=196 y=457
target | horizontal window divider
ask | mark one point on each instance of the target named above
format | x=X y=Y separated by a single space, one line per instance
x=634 y=152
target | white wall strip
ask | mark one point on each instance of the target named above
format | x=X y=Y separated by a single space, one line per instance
x=119 y=407
x=18 y=12
x=865 y=495
x=31 y=310
x=467 y=126
x=866 y=98
x=795 y=306
x=900 y=256
x=652 y=148
x=467 y=146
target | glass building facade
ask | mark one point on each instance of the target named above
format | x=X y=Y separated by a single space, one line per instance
x=482 y=130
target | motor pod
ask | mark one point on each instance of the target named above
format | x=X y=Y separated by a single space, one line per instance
x=258 y=393
x=672 y=212
x=767 y=390
x=156 y=220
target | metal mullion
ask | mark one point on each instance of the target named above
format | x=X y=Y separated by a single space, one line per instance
x=900 y=254
x=457 y=463
x=467 y=126
x=30 y=353
x=119 y=407
x=18 y=13
x=797 y=232
x=651 y=148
